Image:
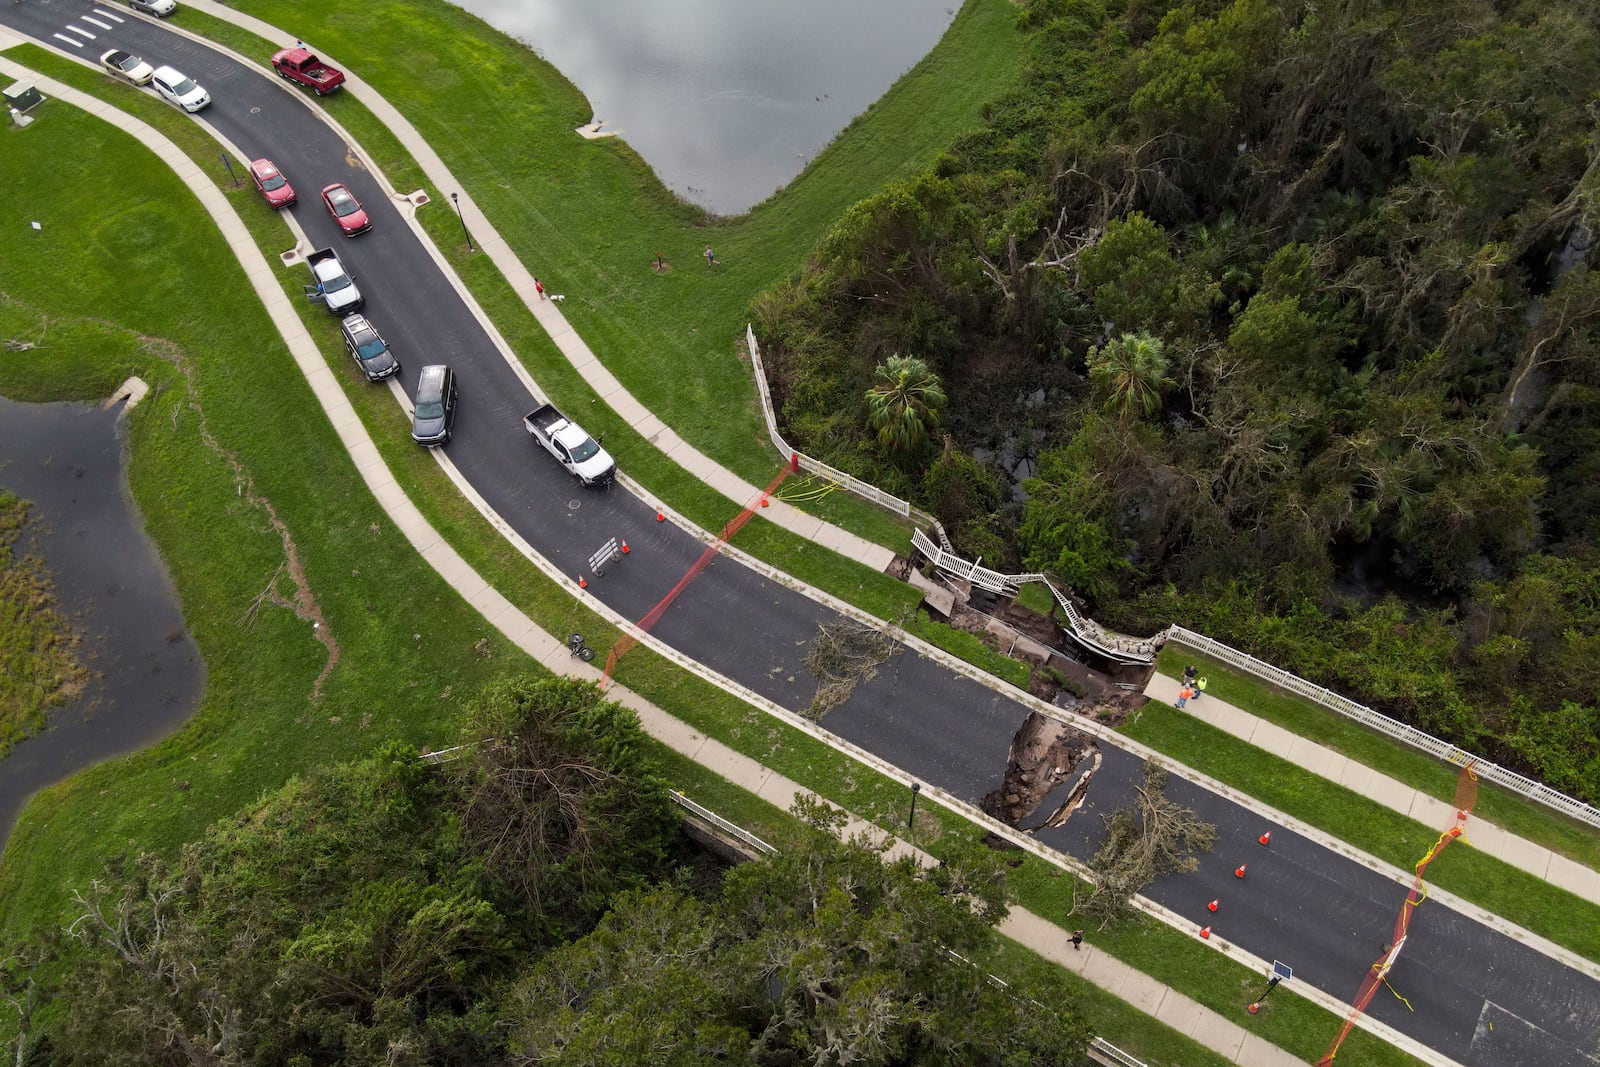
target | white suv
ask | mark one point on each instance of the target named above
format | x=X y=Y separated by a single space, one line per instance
x=180 y=89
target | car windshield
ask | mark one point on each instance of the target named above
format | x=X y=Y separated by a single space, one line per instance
x=269 y=182
x=184 y=86
x=584 y=449
x=430 y=409
x=123 y=61
x=343 y=204
x=333 y=285
x=370 y=347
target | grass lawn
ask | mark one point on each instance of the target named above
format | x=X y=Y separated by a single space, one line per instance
x=219 y=447
x=1518 y=814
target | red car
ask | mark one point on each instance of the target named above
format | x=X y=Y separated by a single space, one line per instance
x=273 y=186
x=345 y=209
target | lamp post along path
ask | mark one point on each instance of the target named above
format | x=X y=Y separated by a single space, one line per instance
x=455 y=198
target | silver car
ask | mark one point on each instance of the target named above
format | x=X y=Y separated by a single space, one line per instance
x=158 y=8
x=179 y=88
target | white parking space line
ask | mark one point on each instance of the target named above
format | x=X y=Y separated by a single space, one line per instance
x=97 y=22
x=108 y=15
x=86 y=33
x=73 y=41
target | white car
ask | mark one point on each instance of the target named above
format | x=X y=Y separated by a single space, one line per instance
x=158 y=8
x=126 y=65
x=180 y=89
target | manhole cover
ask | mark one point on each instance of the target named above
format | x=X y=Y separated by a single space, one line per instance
x=574 y=504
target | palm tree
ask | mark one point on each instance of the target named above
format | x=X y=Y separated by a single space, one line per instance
x=904 y=404
x=1133 y=372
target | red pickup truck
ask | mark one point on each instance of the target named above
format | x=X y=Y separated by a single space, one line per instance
x=301 y=65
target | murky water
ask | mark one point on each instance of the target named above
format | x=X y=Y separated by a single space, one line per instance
x=67 y=460
x=727 y=100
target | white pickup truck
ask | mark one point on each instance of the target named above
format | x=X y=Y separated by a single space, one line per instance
x=575 y=450
x=335 y=287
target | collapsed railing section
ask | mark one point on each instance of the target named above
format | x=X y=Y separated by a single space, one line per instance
x=1084 y=630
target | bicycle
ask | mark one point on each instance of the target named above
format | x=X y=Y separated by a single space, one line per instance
x=577 y=647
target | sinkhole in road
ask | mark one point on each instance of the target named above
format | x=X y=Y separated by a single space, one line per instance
x=1047 y=774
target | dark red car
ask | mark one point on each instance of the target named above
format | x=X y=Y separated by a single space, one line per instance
x=345 y=209
x=273 y=186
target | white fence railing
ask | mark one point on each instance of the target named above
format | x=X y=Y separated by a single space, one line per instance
x=732 y=829
x=1105 y=1052
x=1444 y=750
x=804 y=462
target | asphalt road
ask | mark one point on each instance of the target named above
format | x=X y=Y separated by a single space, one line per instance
x=1311 y=907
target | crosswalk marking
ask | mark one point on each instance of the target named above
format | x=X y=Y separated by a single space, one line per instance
x=108 y=15
x=73 y=41
x=97 y=22
x=76 y=29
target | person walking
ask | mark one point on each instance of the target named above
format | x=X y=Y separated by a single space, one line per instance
x=1077 y=940
x=711 y=257
x=1200 y=687
x=538 y=287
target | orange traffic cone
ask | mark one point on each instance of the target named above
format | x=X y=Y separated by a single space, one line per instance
x=661 y=516
x=763 y=501
x=1239 y=871
x=624 y=548
x=1461 y=815
x=1205 y=933
x=1214 y=905
x=1266 y=838
x=582 y=582
x=1252 y=1009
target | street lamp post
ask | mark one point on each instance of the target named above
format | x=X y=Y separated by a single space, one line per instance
x=911 y=820
x=455 y=198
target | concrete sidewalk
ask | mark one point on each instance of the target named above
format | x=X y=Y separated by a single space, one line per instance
x=1381 y=789
x=1209 y=1028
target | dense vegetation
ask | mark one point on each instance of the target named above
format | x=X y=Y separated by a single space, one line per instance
x=396 y=911
x=1282 y=319
x=39 y=665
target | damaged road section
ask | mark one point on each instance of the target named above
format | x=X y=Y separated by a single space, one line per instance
x=1047 y=775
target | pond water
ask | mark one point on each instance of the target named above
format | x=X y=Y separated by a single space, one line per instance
x=67 y=460
x=726 y=100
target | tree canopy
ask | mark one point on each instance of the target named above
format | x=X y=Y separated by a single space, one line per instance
x=1280 y=296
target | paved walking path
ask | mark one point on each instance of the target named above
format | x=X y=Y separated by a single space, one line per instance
x=1392 y=793
x=1207 y=1027
x=572 y=346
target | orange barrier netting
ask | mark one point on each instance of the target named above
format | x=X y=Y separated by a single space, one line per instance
x=1378 y=973
x=733 y=526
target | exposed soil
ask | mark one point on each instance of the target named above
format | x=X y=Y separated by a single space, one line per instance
x=1046 y=754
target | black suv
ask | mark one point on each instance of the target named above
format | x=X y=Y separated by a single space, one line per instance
x=435 y=412
x=366 y=346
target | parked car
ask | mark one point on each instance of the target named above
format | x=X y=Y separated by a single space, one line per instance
x=368 y=348
x=435 y=411
x=179 y=88
x=301 y=65
x=127 y=65
x=271 y=184
x=345 y=209
x=158 y=8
